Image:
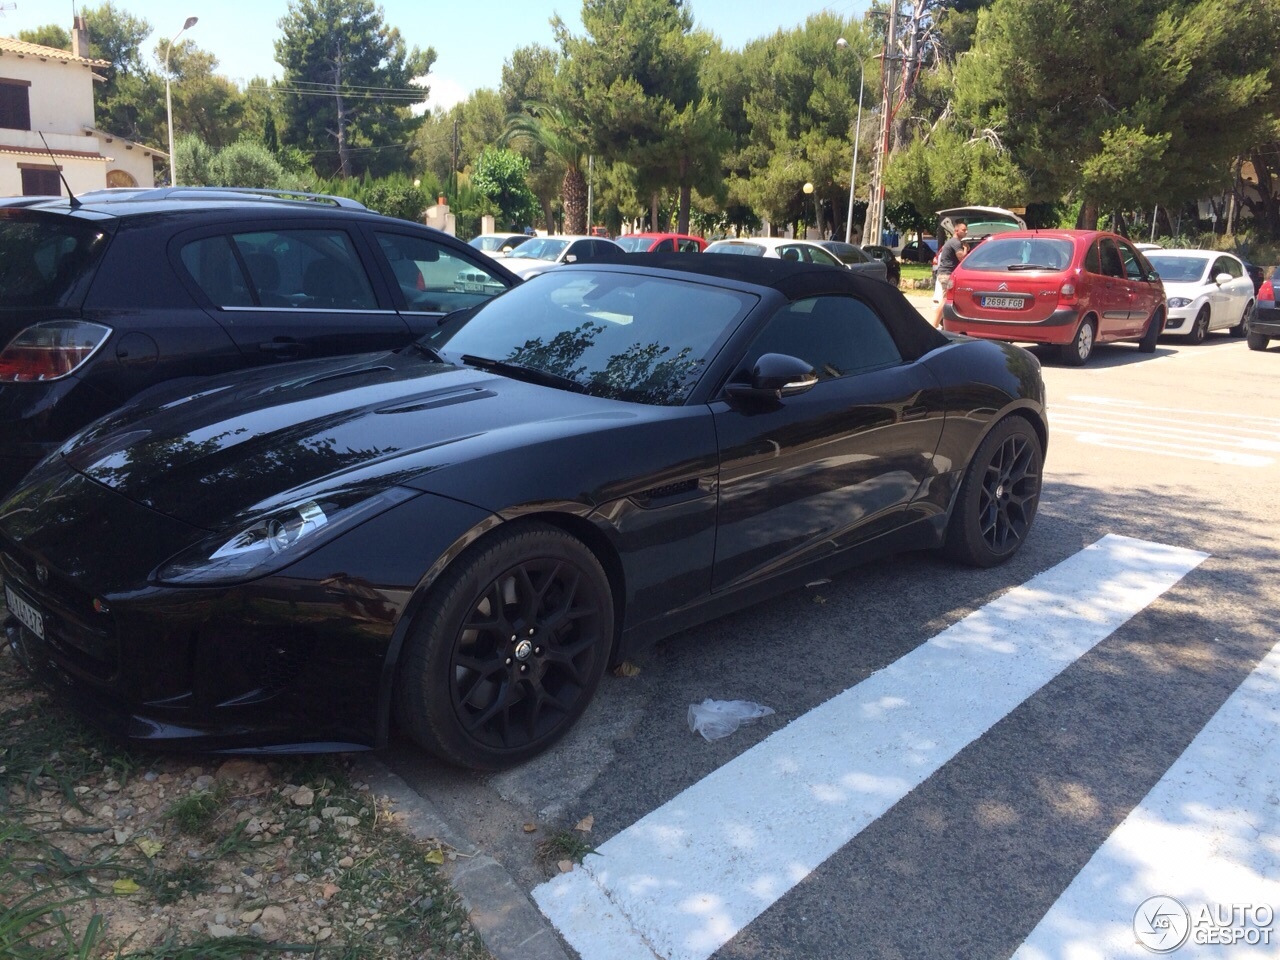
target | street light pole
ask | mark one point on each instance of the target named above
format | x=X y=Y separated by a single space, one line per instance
x=842 y=43
x=168 y=97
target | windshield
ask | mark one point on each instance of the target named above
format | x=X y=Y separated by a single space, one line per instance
x=634 y=244
x=1178 y=269
x=748 y=249
x=625 y=336
x=539 y=248
x=493 y=243
x=42 y=258
x=1020 y=253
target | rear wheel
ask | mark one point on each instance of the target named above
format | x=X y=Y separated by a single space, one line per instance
x=1257 y=341
x=1242 y=328
x=1148 y=342
x=1200 y=329
x=997 y=499
x=508 y=650
x=1075 y=353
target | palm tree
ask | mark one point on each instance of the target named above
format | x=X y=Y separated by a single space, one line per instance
x=560 y=134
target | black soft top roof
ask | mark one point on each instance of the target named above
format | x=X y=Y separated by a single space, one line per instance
x=913 y=335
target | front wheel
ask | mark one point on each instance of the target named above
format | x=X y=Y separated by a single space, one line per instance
x=997 y=499
x=1148 y=342
x=1075 y=353
x=1242 y=328
x=1200 y=329
x=508 y=650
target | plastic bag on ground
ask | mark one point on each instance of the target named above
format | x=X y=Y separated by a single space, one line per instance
x=719 y=718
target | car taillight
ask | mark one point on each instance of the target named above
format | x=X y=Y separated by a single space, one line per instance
x=49 y=350
x=1266 y=291
x=1067 y=293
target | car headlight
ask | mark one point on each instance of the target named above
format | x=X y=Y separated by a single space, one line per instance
x=1179 y=302
x=280 y=537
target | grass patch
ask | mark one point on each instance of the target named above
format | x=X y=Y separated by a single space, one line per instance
x=559 y=847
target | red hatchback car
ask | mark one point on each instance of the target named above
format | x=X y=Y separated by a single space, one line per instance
x=661 y=243
x=1072 y=288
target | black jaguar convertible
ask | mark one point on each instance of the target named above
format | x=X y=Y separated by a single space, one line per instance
x=458 y=537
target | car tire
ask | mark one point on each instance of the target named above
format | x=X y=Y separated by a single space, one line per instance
x=1257 y=341
x=996 y=503
x=1242 y=328
x=1148 y=342
x=1200 y=328
x=1078 y=351
x=508 y=648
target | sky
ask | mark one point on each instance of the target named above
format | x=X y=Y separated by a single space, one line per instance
x=471 y=40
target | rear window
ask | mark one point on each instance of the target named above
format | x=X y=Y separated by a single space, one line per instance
x=745 y=249
x=41 y=259
x=1020 y=253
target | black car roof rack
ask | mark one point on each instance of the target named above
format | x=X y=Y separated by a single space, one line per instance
x=219 y=193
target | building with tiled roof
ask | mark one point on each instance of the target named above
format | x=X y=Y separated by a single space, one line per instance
x=47 y=91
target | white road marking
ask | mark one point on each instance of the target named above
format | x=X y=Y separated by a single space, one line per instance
x=681 y=882
x=1207 y=834
x=1234 y=439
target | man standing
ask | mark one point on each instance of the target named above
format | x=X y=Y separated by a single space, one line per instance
x=949 y=258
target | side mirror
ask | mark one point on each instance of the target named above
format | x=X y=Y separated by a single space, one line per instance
x=775 y=376
x=1222 y=278
x=570 y=258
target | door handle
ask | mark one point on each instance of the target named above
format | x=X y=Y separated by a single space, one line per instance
x=917 y=412
x=280 y=346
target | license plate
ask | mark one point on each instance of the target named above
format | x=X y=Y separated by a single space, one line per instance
x=29 y=616
x=1003 y=303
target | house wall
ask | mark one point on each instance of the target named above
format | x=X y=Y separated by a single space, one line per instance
x=61 y=103
x=61 y=93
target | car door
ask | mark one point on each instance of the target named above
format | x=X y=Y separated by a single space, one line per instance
x=1229 y=298
x=1110 y=292
x=291 y=292
x=811 y=474
x=1143 y=293
x=430 y=279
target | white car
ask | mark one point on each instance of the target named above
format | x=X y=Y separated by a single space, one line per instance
x=542 y=253
x=779 y=248
x=1206 y=290
x=498 y=244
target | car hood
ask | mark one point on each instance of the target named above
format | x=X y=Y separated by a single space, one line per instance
x=1186 y=288
x=257 y=442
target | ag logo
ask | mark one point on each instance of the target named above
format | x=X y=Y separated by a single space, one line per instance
x=1161 y=924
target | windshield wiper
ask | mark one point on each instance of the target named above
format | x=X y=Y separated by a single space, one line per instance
x=518 y=371
x=1030 y=266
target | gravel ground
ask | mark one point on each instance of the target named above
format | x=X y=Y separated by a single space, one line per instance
x=109 y=852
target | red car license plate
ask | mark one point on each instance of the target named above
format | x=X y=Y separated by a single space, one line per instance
x=1004 y=303
x=30 y=617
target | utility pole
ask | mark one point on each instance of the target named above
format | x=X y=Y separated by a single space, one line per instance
x=453 y=172
x=873 y=226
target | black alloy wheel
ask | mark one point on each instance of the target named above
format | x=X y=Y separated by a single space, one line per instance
x=1200 y=329
x=997 y=500
x=509 y=650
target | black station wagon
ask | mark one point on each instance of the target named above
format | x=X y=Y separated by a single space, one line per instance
x=120 y=291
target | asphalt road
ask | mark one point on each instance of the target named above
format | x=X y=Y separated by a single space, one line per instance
x=1018 y=838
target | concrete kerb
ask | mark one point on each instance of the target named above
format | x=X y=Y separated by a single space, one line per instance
x=511 y=927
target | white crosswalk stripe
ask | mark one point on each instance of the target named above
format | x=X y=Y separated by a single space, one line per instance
x=1208 y=835
x=1243 y=440
x=687 y=877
